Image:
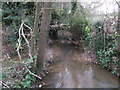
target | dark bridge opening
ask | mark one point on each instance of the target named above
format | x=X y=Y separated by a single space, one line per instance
x=53 y=34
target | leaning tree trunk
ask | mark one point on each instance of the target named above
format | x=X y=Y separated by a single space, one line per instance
x=45 y=25
x=35 y=29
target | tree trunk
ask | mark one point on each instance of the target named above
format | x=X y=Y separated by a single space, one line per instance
x=45 y=25
x=0 y=51
x=35 y=29
x=118 y=28
x=1 y=41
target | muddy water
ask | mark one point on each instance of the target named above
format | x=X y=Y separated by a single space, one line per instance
x=68 y=71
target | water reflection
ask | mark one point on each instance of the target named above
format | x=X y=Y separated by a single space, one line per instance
x=68 y=73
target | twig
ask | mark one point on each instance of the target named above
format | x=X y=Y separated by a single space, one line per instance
x=4 y=84
x=34 y=74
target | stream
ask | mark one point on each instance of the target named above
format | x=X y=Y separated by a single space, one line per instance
x=70 y=71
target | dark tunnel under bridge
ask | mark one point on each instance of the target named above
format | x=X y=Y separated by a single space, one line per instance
x=53 y=31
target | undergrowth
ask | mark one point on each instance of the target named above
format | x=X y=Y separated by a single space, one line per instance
x=20 y=76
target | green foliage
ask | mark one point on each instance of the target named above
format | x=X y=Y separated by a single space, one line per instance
x=104 y=58
x=28 y=80
x=58 y=15
x=55 y=15
x=12 y=15
x=86 y=31
x=22 y=77
x=98 y=39
x=74 y=7
x=105 y=55
x=0 y=15
x=14 y=12
x=78 y=19
x=114 y=71
x=99 y=26
x=79 y=26
x=3 y=75
x=105 y=47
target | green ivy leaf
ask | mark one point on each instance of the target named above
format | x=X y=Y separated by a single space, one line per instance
x=27 y=76
x=35 y=57
x=29 y=66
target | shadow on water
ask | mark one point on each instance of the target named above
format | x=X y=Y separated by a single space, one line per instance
x=67 y=73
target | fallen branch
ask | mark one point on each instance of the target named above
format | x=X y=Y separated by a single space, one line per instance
x=4 y=84
x=34 y=74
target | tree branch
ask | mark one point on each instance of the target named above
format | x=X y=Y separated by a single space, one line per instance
x=19 y=41
x=29 y=48
x=4 y=84
x=33 y=74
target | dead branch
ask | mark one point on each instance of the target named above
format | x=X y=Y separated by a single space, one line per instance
x=29 y=48
x=4 y=84
x=31 y=31
x=19 y=42
x=34 y=74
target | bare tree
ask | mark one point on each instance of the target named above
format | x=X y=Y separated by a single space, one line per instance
x=45 y=25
